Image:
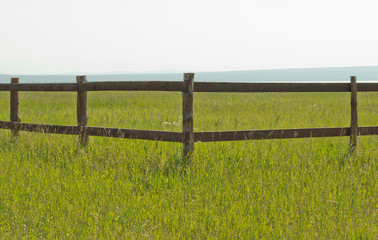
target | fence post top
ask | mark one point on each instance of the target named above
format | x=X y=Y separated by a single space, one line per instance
x=15 y=80
x=188 y=76
x=81 y=79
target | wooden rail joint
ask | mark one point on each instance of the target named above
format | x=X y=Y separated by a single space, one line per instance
x=81 y=86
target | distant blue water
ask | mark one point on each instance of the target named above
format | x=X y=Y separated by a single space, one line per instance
x=364 y=74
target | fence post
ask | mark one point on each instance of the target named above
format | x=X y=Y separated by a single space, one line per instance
x=353 y=119
x=187 y=118
x=82 y=117
x=14 y=103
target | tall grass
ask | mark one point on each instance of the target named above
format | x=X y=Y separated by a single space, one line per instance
x=50 y=187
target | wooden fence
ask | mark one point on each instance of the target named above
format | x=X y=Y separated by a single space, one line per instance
x=187 y=87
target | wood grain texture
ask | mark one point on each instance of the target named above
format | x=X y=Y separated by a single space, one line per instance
x=42 y=128
x=367 y=87
x=280 y=134
x=280 y=87
x=136 y=134
x=187 y=117
x=198 y=136
x=40 y=87
x=96 y=86
x=136 y=86
x=95 y=131
x=14 y=104
x=82 y=116
x=199 y=86
x=367 y=131
x=353 y=113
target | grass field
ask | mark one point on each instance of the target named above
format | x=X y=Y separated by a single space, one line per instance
x=51 y=188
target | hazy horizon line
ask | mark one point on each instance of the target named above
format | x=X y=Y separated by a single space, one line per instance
x=172 y=71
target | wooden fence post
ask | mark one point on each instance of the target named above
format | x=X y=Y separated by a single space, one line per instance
x=82 y=117
x=187 y=118
x=353 y=119
x=14 y=103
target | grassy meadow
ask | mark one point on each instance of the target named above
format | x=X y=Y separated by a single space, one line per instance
x=51 y=188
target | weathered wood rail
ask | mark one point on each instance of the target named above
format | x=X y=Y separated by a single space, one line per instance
x=187 y=87
x=175 y=86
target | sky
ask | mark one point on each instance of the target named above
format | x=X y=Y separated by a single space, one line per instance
x=91 y=36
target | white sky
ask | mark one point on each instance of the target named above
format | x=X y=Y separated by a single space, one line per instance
x=91 y=36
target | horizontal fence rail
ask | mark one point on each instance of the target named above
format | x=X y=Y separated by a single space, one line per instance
x=198 y=136
x=280 y=134
x=94 y=131
x=187 y=137
x=179 y=87
x=95 y=86
x=281 y=87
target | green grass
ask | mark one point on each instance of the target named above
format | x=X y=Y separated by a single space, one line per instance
x=132 y=189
